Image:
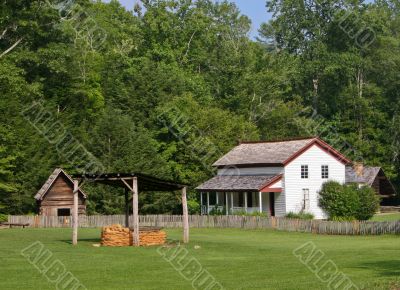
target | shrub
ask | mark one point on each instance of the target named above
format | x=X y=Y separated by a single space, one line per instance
x=300 y=215
x=240 y=212
x=347 y=202
x=255 y=213
x=338 y=200
x=3 y=217
x=216 y=211
x=193 y=206
x=342 y=218
x=369 y=203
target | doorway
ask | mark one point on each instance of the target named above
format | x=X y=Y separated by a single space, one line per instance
x=272 y=203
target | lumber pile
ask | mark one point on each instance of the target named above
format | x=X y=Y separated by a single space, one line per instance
x=152 y=237
x=118 y=236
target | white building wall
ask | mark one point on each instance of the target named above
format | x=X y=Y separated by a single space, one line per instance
x=314 y=157
x=251 y=171
x=278 y=184
x=280 y=204
x=265 y=202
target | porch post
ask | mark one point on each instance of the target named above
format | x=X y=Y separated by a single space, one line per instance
x=260 y=200
x=208 y=202
x=201 y=203
x=245 y=202
x=226 y=204
x=216 y=198
x=232 y=202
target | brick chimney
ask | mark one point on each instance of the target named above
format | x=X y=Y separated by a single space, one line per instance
x=359 y=168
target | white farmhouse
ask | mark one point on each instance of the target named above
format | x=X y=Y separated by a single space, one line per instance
x=279 y=177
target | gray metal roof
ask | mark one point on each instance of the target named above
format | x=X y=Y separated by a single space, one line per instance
x=368 y=176
x=263 y=152
x=49 y=182
x=235 y=183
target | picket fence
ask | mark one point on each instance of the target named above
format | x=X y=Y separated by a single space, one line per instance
x=204 y=221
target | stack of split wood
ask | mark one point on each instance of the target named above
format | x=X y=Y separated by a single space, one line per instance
x=152 y=236
x=118 y=236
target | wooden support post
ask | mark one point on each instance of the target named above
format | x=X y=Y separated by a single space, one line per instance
x=232 y=202
x=217 y=199
x=245 y=201
x=126 y=208
x=185 y=217
x=260 y=200
x=208 y=202
x=75 y=214
x=201 y=203
x=135 y=206
x=226 y=204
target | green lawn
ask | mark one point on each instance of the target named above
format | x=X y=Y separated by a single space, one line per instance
x=238 y=259
x=383 y=217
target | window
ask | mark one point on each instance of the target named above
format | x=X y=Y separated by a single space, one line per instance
x=249 y=199
x=324 y=171
x=63 y=212
x=304 y=171
x=306 y=199
x=213 y=198
x=241 y=196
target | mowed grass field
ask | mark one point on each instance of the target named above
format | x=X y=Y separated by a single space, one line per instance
x=238 y=259
x=384 y=217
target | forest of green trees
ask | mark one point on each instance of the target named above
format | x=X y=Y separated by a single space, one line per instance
x=168 y=88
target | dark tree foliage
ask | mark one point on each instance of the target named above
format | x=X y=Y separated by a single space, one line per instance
x=169 y=87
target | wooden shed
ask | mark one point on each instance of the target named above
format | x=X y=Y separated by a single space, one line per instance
x=374 y=177
x=56 y=197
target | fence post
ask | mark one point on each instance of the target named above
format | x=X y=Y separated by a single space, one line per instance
x=273 y=222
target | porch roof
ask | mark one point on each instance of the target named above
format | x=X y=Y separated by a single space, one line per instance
x=236 y=183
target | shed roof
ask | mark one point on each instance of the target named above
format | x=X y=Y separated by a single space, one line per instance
x=273 y=152
x=368 y=175
x=145 y=182
x=236 y=183
x=49 y=182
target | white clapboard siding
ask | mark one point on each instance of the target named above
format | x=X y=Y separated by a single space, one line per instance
x=280 y=204
x=277 y=184
x=265 y=202
x=314 y=157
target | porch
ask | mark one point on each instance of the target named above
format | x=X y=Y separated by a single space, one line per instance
x=235 y=194
x=230 y=203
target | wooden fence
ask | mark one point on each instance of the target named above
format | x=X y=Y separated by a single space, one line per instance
x=243 y=222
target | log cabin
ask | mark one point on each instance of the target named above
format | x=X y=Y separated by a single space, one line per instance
x=55 y=198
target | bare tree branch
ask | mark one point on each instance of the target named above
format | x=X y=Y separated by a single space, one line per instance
x=11 y=47
x=3 y=33
x=188 y=45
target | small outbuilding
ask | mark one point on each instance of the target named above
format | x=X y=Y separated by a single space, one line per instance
x=374 y=177
x=56 y=197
